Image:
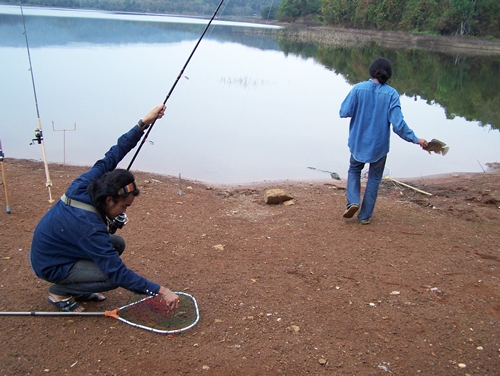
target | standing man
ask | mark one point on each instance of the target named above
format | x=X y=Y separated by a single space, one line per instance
x=373 y=106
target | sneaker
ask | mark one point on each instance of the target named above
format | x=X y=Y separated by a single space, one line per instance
x=351 y=210
x=365 y=221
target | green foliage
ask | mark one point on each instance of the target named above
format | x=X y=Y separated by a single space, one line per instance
x=421 y=16
x=461 y=85
x=381 y=14
x=269 y=12
x=464 y=12
x=442 y=17
x=488 y=18
x=290 y=10
x=339 y=12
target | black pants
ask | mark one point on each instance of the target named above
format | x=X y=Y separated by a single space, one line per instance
x=85 y=276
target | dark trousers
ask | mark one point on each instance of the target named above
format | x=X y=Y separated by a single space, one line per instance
x=85 y=276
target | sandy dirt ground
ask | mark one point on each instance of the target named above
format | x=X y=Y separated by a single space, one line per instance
x=282 y=289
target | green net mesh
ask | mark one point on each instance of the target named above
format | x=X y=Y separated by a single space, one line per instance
x=151 y=313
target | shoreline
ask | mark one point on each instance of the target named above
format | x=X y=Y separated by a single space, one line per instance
x=339 y=37
x=425 y=179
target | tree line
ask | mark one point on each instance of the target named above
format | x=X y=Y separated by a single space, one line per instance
x=479 y=18
x=438 y=17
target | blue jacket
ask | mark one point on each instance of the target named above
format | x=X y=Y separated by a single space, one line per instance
x=67 y=234
x=373 y=107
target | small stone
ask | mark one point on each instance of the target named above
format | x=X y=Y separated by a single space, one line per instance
x=276 y=196
x=322 y=361
x=462 y=365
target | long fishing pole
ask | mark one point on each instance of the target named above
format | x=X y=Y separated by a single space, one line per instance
x=175 y=83
x=38 y=132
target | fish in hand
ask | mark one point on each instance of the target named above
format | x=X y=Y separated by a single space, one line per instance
x=438 y=147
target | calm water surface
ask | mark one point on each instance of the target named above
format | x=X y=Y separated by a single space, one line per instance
x=243 y=111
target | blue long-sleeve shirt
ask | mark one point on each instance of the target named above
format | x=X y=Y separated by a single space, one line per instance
x=67 y=234
x=373 y=107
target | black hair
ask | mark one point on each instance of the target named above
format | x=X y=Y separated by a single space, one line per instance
x=380 y=69
x=109 y=184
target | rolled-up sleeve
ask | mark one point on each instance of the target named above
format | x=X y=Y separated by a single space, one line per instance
x=348 y=105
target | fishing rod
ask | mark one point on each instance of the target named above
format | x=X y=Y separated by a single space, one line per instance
x=7 y=206
x=175 y=82
x=38 y=132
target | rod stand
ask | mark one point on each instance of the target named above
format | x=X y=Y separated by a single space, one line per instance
x=64 y=138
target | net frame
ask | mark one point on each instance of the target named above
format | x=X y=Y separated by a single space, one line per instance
x=158 y=315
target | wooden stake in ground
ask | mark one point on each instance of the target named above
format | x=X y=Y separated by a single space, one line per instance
x=409 y=186
x=7 y=206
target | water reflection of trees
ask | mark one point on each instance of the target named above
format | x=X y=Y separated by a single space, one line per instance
x=49 y=31
x=465 y=86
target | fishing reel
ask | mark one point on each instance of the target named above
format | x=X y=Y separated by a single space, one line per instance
x=118 y=222
x=38 y=137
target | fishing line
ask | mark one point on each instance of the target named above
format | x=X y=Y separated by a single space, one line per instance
x=175 y=83
x=245 y=101
x=38 y=132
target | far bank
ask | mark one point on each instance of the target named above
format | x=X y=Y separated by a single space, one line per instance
x=334 y=37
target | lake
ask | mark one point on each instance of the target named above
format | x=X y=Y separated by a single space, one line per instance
x=248 y=107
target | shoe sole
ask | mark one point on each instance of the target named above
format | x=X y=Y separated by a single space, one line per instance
x=351 y=210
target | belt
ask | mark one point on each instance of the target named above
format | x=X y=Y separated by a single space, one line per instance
x=78 y=204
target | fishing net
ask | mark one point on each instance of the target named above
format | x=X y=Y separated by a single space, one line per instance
x=151 y=313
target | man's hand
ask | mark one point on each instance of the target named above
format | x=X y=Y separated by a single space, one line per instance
x=171 y=300
x=156 y=113
x=422 y=142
